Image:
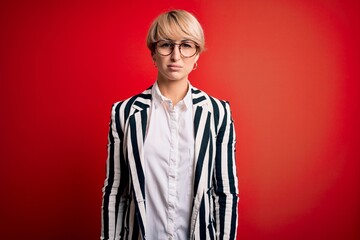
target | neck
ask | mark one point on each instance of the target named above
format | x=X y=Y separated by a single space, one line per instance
x=174 y=90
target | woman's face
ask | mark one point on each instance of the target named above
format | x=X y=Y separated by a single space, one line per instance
x=174 y=67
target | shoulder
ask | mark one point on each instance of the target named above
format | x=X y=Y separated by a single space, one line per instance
x=214 y=103
x=143 y=97
x=125 y=107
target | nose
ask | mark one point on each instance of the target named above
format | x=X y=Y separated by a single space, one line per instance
x=175 y=55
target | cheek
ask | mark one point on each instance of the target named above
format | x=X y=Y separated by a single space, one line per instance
x=190 y=66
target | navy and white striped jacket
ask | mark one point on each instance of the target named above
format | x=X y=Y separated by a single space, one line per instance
x=214 y=210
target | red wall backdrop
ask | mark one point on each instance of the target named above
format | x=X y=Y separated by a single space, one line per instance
x=289 y=68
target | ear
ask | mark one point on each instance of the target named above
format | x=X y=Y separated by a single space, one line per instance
x=153 y=56
x=196 y=58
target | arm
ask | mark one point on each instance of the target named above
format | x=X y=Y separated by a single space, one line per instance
x=116 y=181
x=226 y=183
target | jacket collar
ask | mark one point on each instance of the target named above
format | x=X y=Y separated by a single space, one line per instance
x=199 y=98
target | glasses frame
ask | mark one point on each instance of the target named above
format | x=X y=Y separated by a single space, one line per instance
x=173 y=47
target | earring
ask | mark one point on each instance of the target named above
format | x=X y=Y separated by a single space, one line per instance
x=154 y=62
x=195 y=66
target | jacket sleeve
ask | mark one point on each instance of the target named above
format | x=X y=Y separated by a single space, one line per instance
x=116 y=181
x=226 y=182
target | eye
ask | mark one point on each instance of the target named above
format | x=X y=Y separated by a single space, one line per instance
x=187 y=45
x=165 y=44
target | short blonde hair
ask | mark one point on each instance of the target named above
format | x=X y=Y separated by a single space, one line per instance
x=175 y=24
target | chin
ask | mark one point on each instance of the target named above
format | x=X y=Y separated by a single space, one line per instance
x=176 y=78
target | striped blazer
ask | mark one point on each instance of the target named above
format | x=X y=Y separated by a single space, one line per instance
x=214 y=210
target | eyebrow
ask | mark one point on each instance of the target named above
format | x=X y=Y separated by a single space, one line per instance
x=184 y=40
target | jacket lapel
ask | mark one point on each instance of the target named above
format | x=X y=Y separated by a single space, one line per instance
x=136 y=130
x=202 y=132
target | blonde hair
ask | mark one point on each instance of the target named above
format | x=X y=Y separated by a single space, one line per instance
x=175 y=24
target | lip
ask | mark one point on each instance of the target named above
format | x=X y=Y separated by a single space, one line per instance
x=174 y=67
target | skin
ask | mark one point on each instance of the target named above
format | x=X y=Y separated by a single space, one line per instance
x=173 y=72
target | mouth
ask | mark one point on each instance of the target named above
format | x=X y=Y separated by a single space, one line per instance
x=174 y=67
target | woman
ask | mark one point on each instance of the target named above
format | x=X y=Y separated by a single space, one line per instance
x=171 y=170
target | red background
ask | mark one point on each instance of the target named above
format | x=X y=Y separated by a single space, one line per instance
x=289 y=68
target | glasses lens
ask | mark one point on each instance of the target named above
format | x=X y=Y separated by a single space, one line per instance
x=164 y=47
x=187 y=49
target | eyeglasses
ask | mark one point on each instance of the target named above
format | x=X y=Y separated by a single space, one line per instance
x=187 y=48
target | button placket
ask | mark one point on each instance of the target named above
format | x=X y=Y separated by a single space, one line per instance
x=172 y=169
